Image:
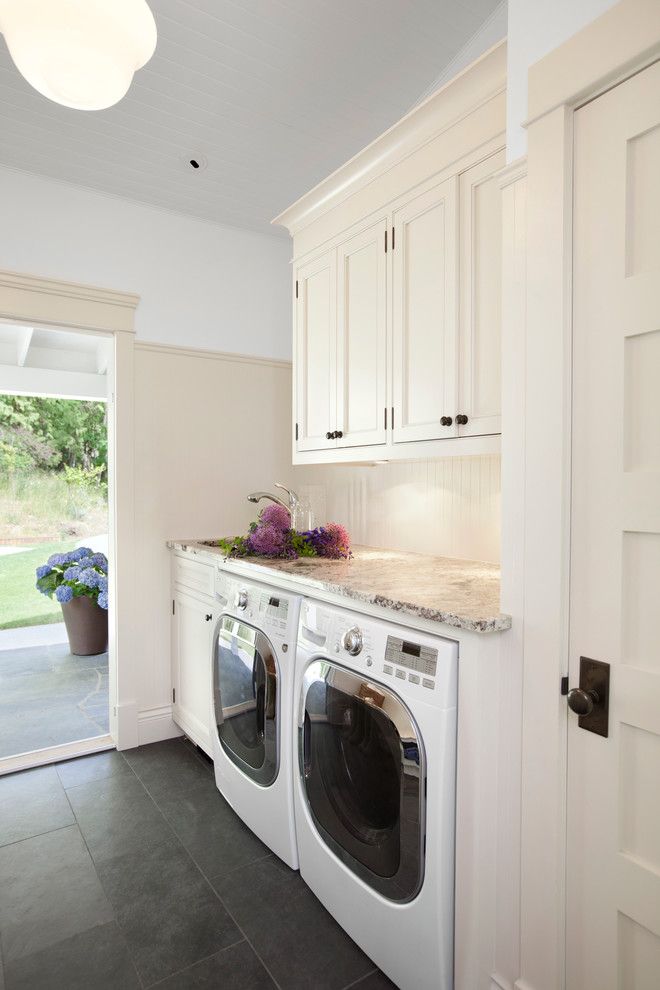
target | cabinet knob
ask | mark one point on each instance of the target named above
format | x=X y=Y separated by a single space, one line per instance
x=338 y=434
x=461 y=419
x=208 y=616
x=329 y=436
x=446 y=420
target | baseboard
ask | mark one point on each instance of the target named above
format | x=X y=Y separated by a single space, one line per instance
x=156 y=724
x=522 y=985
x=498 y=982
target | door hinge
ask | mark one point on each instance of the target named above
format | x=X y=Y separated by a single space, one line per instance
x=385 y=411
x=386 y=242
x=392 y=238
x=173 y=695
x=296 y=288
x=392 y=426
x=564 y=684
x=296 y=431
x=172 y=606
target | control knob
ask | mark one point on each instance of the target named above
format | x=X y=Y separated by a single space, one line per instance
x=352 y=641
x=242 y=599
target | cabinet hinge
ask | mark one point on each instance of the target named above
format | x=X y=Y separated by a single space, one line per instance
x=392 y=426
x=296 y=288
x=564 y=685
x=296 y=431
x=385 y=417
x=392 y=238
x=173 y=695
x=386 y=242
x=172 y=606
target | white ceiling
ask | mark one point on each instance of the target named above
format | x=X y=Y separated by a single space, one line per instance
x=53 y=350
x=271 y=95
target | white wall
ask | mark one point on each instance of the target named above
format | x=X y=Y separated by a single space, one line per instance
x=201 y=284
x=535 y=28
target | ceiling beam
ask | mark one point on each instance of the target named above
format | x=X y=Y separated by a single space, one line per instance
x=23 y=341
x=52 y=383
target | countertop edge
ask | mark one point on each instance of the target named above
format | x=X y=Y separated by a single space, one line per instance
x=488 y=624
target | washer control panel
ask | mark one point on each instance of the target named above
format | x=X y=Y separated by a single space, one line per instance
x=352 y=641
x=416 y=657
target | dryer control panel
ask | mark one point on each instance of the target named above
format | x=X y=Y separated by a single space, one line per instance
x=257 y=604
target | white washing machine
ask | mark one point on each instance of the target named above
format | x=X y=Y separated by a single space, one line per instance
x=253 y=674
x=374 y=795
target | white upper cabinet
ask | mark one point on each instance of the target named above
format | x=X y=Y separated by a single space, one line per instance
x=424 y=314
x=397 y=268
x=479 y=398
x=316 y=353
x=362 y=338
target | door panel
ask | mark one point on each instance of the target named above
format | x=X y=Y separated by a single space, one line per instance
x=424 y=267
x=316 y=353
x=362 y=337
x=192 y=639
x=613 y=855
x=480 y=387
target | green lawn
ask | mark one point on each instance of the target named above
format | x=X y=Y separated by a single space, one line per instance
x=20 y=602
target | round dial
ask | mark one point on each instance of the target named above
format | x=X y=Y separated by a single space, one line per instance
x=352 y=641
x=242 y=599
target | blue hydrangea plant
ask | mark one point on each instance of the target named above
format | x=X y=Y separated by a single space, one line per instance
x=69 y=575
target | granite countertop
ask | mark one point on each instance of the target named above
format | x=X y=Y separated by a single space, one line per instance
x=460 y=593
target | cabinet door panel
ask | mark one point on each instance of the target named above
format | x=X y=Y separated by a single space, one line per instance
x=362 y=337
x=480 y=298
x=191 y=653
x=316 y=353
x=424 y=315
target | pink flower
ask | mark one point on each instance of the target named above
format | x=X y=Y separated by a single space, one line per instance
x=338 y=542
x=277 y=516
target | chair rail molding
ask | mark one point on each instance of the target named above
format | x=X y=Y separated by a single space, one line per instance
x=615 y=46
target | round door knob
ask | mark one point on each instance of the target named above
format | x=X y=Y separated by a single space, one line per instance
x=242 y=599
x=581 y=702
x=352 y=641
x=461 y=419
x=446 y=421
x=329 y=436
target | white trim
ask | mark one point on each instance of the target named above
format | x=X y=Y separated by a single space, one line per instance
x=471 y=89
x=196 y=352
x=55 y=754
x=156 y=724
x=498 y=982
x=18 y=380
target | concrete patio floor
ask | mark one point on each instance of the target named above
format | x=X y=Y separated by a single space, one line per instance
x=49 y=697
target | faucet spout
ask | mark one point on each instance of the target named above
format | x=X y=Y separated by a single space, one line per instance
x=258 y=496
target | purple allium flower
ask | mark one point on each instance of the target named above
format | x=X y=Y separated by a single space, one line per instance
x=266 y=540
x=42 y=571
x=71 y=573
x=277 y=516
x=64 y=593
x=103 y=599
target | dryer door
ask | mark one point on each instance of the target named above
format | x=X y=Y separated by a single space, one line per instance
x=246 y=699
x=363 y=772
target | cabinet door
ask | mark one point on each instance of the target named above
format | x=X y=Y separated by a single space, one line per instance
x=316 y=353
x=362 y=337
x=424 y=273
x=192 y=636
x=480 y=298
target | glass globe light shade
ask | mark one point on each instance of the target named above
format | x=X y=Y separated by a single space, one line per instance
x=80 y=53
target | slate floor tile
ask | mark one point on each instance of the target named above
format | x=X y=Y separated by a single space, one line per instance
x=299 y=942
x=117 y=816
x=167 y=768
x=88 y=768
x=216 y=838
x=96 y=958
x=32 y=802
x=49 y=891
x=375 y=981
x=168 y=913
x=236 y=968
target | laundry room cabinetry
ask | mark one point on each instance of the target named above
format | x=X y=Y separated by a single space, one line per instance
x=194 y=615
x=397 y=283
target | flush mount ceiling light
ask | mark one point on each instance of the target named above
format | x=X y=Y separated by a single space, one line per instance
x=80 y=53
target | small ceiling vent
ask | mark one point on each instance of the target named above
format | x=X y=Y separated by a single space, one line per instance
x=195 y=163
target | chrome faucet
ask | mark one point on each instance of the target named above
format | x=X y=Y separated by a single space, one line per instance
x=291 y=505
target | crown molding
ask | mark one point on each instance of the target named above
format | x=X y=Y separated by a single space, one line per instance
x=53 y=302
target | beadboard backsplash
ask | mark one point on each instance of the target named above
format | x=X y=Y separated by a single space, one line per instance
x=449 y=507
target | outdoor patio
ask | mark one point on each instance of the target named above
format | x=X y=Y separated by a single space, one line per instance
x=48 y=696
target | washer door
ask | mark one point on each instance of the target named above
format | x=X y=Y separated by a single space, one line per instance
x=246 y=699
x=363 y=772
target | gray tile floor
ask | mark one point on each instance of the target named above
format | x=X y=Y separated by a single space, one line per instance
x=122 y=871
x=49 y=697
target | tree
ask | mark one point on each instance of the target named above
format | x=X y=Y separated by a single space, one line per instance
x=53 y=433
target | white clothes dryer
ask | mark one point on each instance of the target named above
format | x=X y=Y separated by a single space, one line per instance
x=374 y=795
x=253 y=675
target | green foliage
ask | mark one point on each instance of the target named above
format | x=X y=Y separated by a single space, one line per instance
x=301 y=545
x=20 y=605
x=236 y=546
x=36 y=432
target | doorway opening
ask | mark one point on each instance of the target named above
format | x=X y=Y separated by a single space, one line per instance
x=54 y=523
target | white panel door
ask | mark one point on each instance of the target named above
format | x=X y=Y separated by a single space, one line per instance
x=316 y=353
x=192 y=639
x=362 y=338
x=480 y=380
x=613 y=869
x=424 y=290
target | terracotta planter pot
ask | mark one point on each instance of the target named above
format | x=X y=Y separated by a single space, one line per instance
x=86 y=626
